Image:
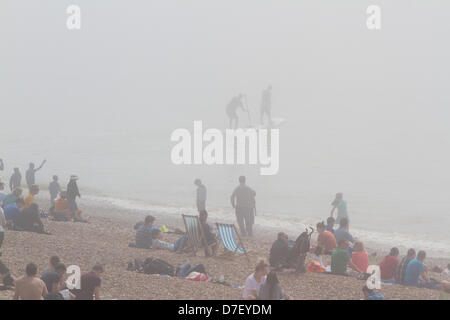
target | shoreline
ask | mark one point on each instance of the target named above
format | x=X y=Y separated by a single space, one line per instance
x=106 y=237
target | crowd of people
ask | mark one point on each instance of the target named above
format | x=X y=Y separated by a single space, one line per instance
x=347 y=254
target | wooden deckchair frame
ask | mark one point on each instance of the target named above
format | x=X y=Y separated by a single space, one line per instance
x=202 y=235
x=239 y=243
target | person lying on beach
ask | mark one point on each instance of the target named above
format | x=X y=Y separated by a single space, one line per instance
x=401 y=268
x=29 y=286
x=184 y=270
x=211 y=238
x=360 y=257
x=279 y=252
x=341 y=258
x=330 y=224
x=370 y=294
x=29 y=198
x=158 y=243
x=271 y=289
x=326 y=239
x=12 y=197
x=90 y=284
x=389 y=265
x=254 y=281
x=29 y=220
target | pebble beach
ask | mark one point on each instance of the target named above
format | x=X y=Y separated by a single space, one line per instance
x=106 y=237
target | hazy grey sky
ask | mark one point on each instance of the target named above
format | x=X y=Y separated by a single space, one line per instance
x=367 y=110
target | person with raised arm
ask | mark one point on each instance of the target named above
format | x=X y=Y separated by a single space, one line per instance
x=30 y=174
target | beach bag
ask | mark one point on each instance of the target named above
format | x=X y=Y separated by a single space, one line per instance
x=158 y=266
x=315 y=267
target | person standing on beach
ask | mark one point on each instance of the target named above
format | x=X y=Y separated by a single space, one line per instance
x=201 y=195
x=266 y=105
x=341 y=205
x=15 y=180
x=30 y=173
x=54 y=189
x=231 y=109
x=243 y=201
x=72 y=194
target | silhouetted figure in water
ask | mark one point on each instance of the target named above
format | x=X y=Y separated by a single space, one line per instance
x=54 y=189
x=266 y=105
x=340 y=205
x=30 y=174
x=15 y=180
x=201 y=195
x=73 y=193
x=2 y=166
x=231 y=109
x=243 y=200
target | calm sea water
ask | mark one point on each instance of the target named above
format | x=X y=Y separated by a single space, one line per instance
x=391 y=202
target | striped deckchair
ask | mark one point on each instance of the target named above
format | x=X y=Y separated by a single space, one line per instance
x=194 y=233
x=230 y=238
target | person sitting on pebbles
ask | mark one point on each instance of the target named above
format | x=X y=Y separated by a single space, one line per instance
x=61 y=211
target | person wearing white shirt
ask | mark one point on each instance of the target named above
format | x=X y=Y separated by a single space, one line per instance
x=254 y=281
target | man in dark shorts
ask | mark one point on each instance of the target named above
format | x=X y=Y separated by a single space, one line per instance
x=243 y=201
x=90 y=284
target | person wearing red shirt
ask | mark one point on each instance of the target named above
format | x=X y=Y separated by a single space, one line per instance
x=388 y=265
x=326 y=239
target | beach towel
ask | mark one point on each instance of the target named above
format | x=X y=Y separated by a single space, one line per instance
x=197 y=276
x=315 y=267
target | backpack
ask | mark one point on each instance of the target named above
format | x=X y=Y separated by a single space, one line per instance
x=158 y=266
x=301 y=247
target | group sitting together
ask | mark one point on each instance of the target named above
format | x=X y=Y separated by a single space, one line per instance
x=149 y=236
x=52 y=285
x=348 y=257
x=22 y=214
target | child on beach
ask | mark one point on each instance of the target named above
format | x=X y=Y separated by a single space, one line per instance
x=330 y=224
x=254 y=281
x=326 y=239
x=360 y=257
